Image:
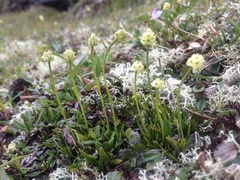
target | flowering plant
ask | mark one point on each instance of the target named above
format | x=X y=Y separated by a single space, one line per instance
x=196 y=61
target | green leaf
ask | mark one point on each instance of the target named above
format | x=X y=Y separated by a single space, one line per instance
x=182 y=144
x=89 y=158
x=97 y=130
x=112 y=140
x=77 y=69
x=215 y=68
x=201 y=104
x=3 y=174
x=19 y=125
x=115 y=175
x=115 y=162
x=15 y=161
x=102 y=158
x=167 y=128
x=128 y=133
x=34 y=174
x=151 y=157
x=197 y=88
x=92 y=135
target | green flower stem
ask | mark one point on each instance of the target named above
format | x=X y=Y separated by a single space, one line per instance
x=136 y=99
x=155 y=103
x=148 y=73
x=56 y=94
x=77 y=94
x=106 y=85
x=12 y=160
x=178 y=104
x=98 y=87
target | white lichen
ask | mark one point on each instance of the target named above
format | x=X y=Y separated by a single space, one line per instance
x=62 y=174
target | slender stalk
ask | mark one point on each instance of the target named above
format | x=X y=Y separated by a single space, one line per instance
x=77 y=94
x=151 y=93
x=56 y=94
x=99 y=88
x=178 y=104
x=148 y=73
x=136 y=97
x=106 y=85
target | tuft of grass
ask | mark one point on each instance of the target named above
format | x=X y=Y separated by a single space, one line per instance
x=99 y=116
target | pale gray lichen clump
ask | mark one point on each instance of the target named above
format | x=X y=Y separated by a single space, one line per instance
x=62 y=173
x=232 y=74
x=125 y=73
x=223 y=94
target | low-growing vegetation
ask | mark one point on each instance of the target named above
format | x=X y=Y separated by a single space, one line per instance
x=155 y=96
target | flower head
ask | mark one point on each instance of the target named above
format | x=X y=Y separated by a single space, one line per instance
x=41 y=18
x=137 y=66
x=166 y=6
x=156 y=13
x=121 y=35
x=93 y=40
x=48 y=56
x=11 y=147
x=69 y=54
x=158 y=83
x=148 y=38
x=196 y=61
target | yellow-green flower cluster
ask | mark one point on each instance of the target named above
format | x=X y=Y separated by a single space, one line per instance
x=41 y=18
x=158 y=83
x=11 y=147
x=48 y=56
x=196 y=61
x=69 y=55
x=166 y=6
x=148 y=38
x=137 y=66
x=93 y=40
x=121 y=35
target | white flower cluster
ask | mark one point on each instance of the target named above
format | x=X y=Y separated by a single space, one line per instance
x=69 y=54
x=148 y=38
x=196 y=61
x=93 y=40
x=137 y=66
x=158 y=84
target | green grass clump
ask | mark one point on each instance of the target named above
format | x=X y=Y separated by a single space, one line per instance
x=134 y=101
